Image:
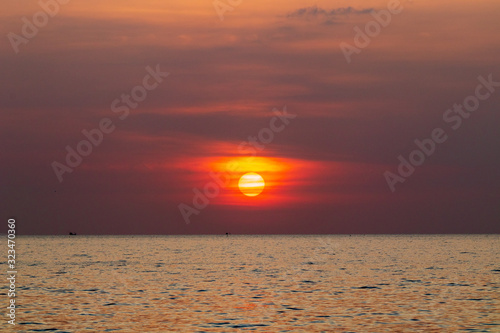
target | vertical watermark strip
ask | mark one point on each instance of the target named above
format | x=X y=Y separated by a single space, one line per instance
x=11 y=271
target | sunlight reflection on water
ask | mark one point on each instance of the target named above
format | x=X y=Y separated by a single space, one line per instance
x=258 y=283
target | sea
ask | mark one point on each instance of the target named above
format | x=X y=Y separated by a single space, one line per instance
x=256 y=283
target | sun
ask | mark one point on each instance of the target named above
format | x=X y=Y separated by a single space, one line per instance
x=251 y=184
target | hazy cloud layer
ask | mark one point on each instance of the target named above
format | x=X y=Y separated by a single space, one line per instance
x=315 y=11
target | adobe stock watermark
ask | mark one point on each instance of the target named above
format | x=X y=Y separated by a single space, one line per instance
x=454 y=118
x=210 y=190
x=11 y=270
x=372 y=29
x=95 y=136
x=40 y=19
x=221 y=7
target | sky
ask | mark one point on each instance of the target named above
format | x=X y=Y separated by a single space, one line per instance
x=361 y=116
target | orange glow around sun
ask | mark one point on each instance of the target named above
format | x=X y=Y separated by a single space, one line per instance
x=251 y=184
x=278 y=181
x=261 y=179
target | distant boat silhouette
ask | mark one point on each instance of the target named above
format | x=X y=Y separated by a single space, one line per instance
x=72 y=233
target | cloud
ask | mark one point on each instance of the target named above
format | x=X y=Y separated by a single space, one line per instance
x=314 y=12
